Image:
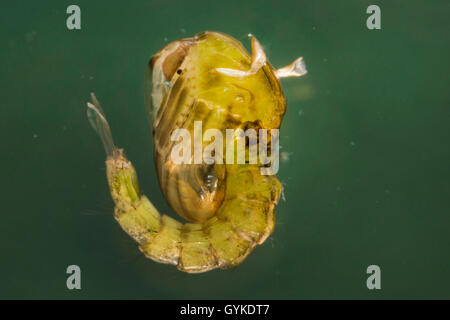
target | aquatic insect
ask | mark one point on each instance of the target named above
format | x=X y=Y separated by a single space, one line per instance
x=230 y=207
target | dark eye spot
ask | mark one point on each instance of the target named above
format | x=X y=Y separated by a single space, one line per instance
x=179 y=71
x=173 y=61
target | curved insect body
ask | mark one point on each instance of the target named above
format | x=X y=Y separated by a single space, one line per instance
x=231 y=207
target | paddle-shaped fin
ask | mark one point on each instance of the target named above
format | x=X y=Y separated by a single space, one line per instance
x=295 y=69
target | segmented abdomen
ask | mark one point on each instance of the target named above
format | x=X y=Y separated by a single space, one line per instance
x=245 y=219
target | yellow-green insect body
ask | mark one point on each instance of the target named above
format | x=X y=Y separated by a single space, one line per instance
x=231 y=207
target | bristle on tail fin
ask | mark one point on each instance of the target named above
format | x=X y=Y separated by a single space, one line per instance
x=98 y=121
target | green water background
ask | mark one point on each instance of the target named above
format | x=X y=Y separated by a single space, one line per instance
x=366 y=133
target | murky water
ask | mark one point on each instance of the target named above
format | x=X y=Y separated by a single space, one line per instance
x=365 y=163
